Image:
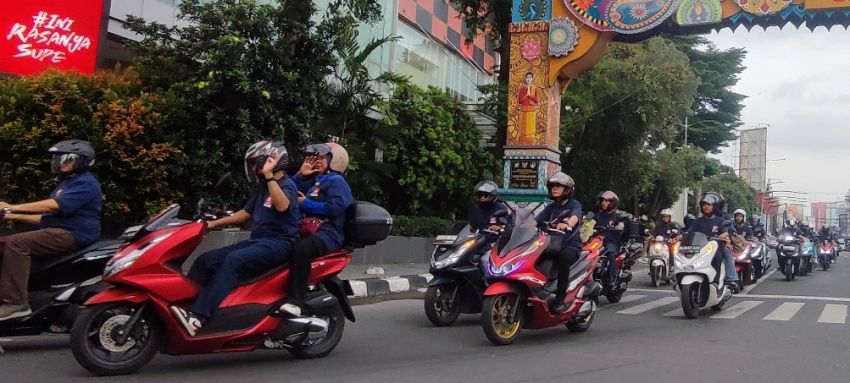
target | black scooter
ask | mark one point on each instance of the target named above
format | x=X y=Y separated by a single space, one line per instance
x=59 y=285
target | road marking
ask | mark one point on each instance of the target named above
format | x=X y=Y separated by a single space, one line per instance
x=762 y=279
x=670 y=291
x=631 y=298
x=642 y=308
x=833 y=314
x=798 y=297
x=736 y=310
x=785 y=311
x=677 y=313
x=398 y=284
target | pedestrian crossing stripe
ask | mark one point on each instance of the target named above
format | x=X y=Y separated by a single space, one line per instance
x=831 y=313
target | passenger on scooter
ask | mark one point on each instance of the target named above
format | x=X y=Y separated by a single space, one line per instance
x=274 y=216
x=69 y=220
x=323 y=198
x=488 y=213
x=563 y=214
x=710 y=223
x=609 y=217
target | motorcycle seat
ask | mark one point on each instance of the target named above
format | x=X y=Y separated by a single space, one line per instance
x=105 y=247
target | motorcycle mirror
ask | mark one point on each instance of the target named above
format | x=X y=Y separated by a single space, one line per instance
x=589 y=215
x=201 y=203
x=223 y=183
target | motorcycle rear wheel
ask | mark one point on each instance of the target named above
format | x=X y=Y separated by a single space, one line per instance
x=96 y=348
x=655 y=275
x=575 y=325
x=689 y=296
x=496 y=321
x=321 y=349
x=439 y=310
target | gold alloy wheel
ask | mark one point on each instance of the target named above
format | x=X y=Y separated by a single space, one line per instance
x=504 y=325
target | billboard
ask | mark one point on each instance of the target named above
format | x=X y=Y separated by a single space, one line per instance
x=39 y=34
x=753 y=158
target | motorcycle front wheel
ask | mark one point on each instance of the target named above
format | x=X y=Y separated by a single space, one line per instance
x=501 y=318
x=689 y=296
x=102 y=344
x=442 y=304
x=655 y=275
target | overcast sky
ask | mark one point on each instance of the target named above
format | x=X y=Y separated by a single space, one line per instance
x=798 y=81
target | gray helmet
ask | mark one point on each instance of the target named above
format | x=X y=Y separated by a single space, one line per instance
x=562 y=179
x=610 y=196
x=488 y=187
x=260 y=152
x=81 y=152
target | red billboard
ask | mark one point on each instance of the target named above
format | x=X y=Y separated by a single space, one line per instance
x=40 y=34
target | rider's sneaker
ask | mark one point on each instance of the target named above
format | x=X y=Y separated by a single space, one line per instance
x=10 y=311
x=557 y=306
x=188 y=319
x=734 y=287
x=290 y=309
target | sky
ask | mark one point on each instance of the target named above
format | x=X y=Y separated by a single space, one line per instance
x=798 y=82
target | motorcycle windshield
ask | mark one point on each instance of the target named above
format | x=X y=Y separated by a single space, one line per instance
x=464 y=235
x=696 y=239
x=520 y=236
x=787 y=235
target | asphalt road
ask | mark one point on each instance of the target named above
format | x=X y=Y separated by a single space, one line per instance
x=776 y=332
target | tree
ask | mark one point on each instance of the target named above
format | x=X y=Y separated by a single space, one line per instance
x=436 y=158
x=244 y=71
x=716 y=108
x=738 y=194
x=622 y=119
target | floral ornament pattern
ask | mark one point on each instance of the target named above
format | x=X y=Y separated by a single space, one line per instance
x=699 y=12
x=763 y=7
x=563 y=36
x=531 y=49
x=637 y=16
x=589 y=12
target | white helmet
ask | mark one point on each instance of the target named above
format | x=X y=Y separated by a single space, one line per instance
x=741 y=212
x=668 y=212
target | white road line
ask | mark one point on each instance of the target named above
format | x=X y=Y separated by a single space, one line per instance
x=669 y=291
x=736 y=310
x=642 y=308
x=785 y=311
x=762 y=279
x=833 y=314
x=677 y=313
x=398 y=284
x=631 y=298
x=798 y=297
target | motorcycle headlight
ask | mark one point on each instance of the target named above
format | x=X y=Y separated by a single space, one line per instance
x=121 y=262
x=656 y=248
x=789 y=238
x=455 y=255
x=507 y=268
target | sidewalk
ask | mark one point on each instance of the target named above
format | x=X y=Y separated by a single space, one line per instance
x=385 y=279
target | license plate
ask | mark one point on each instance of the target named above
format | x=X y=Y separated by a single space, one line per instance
x=790 y=248
x=689 y=249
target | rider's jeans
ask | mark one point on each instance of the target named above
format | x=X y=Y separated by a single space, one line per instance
x=731 y=275
x=612 y=249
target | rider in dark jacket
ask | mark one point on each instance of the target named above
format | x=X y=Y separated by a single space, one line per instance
x=488 y=213
x=711 y=224
x=666 y=227
x=756 y=227
x=609 y=217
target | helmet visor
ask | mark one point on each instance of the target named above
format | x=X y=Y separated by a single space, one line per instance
x=63 y=162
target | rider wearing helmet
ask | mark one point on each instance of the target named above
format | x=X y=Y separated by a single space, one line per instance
x=274 y=216
x=710 y=223
x=323 y=197
x=756 y=227
x=488 y=213
x=825 y=234
x=563 y=214
x=609 y=217
x=68 y=220
x=740 y=224
x=665 y=227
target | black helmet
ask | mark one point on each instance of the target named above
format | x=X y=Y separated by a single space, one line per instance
x=488 y=187
x=562 y=179
x=610 y=196
x=259 y=153
x=79 y=151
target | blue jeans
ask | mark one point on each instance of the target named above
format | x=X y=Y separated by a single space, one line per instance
x=612 y=249
x=218 y=271
x=731 y=275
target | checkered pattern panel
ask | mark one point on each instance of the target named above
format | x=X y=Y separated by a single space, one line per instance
x=443 y=23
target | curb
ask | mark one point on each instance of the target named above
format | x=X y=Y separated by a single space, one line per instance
x=372 y=287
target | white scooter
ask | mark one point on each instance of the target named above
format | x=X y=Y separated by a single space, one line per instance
x=700 y=275
x=658 y=258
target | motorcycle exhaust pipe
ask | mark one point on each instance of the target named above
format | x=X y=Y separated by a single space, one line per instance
x=586 y=309
x=626 y=275
x=590 y=291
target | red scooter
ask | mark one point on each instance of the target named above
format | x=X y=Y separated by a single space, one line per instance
x=519 y=293
x=122 y=328
x=743 y=263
